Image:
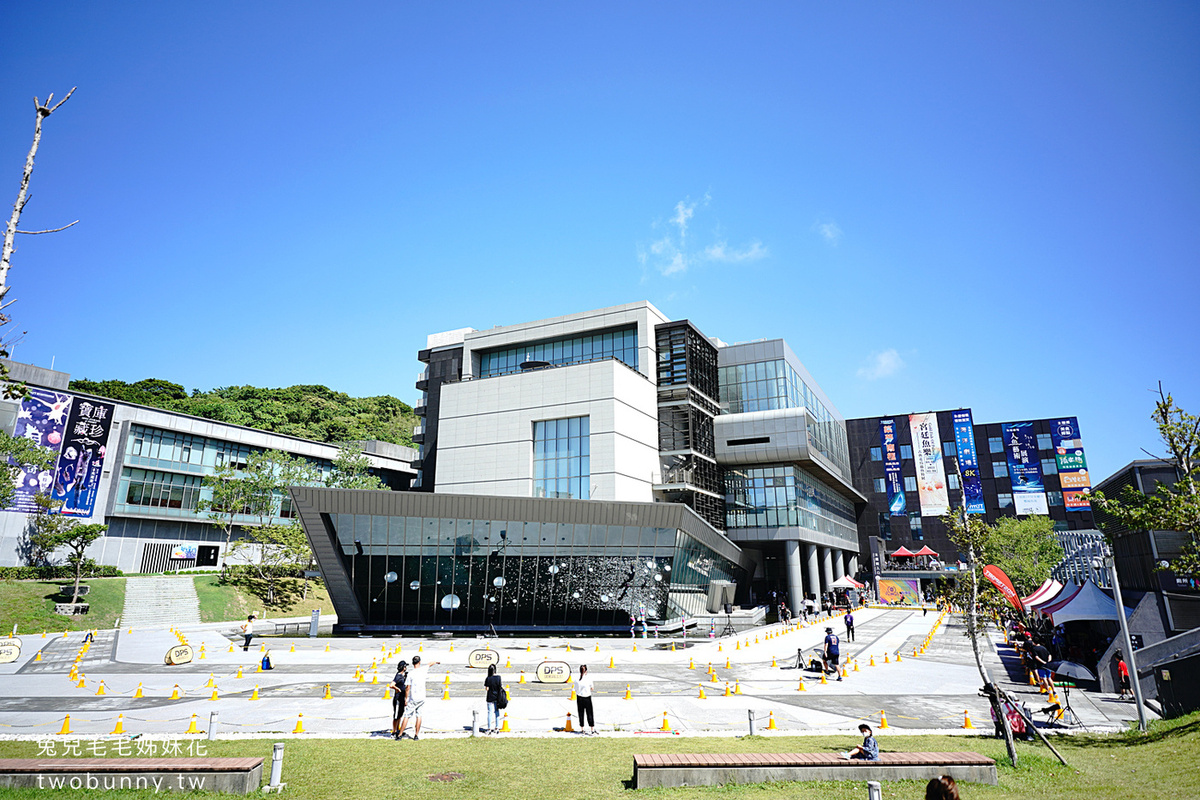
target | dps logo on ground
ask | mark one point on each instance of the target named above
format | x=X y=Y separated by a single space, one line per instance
x=553 y=672
x=180 y=654
x=483 y=659
x=10 y=649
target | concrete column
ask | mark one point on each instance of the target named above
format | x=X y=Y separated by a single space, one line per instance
x=826 y=568
x=839 y=564
x=851 y=563
x=795 y=572
x=813 y=584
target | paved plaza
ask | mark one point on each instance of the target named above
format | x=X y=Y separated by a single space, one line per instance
x=931 y=692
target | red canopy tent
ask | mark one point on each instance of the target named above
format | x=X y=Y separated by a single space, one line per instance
x=925 y=551
x=903 y=551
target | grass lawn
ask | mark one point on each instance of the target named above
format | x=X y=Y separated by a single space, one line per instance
x=1114 y=767
x=30 y=604
x=221 y=602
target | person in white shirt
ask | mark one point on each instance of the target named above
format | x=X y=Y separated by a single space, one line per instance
x=416 y=696
x=583 y=699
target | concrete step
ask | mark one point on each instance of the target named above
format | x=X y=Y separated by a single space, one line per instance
x=160 y=601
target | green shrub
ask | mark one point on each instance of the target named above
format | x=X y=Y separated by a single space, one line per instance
x=57 y=573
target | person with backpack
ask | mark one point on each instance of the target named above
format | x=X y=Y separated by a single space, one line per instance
x=496 y=698
x=832 y=652
x=399 y=687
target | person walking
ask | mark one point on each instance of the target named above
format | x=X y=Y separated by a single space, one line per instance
x=495 y=692
x=415 y=701
x=849 y=621
x=832 y=652
x=248 y=632
x=583 y=700
x=399 y=687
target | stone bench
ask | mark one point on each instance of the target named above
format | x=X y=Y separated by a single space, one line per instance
x=715 y=769
x=238 y=775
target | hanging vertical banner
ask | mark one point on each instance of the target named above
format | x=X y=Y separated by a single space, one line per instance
x=81 y=463
x=968 y=462
x=41 y=420
x=1024 y=468
x=1072 y=466
x=891 y=468
x=931 y=472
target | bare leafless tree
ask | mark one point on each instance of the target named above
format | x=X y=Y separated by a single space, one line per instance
x=10 y=232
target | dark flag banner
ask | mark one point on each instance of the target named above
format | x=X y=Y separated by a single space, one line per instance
x=81 y=463
x=968 y=462
x=891 y=468
x=1024 y=468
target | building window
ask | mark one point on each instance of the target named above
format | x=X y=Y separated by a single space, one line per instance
x=1049 y=466
x=877 y=454
x=910 y=483
x=1054 y=498
x=914 y=526
x=562 y=458
x=1061 y=525
x=785 y=495
x=995 y=444
x=952 y=480
x=1044 y=442
x=906 y=451
x=1000 y=469
x=880 y=485
x=1004 y=500
x=949 y=448
x=619 y=344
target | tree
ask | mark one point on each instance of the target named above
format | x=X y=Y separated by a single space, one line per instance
x=975 y=537
x=272 y=552
x=13 y=390
x=1168 y=508
x=1025 y=548
x=351 y=470
x=17 y=454
x=229 y=497
x=52 y=531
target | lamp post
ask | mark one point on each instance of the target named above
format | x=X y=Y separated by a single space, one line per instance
x=1135 y=679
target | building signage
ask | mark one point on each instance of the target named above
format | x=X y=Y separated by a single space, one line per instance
x=1072 y=466
x=482 y=659
x=891 y=468
x=81 y=463
x=931 y=471
x=553 y=672
x=968 y=462
x=41 y=420
x=1024 y=468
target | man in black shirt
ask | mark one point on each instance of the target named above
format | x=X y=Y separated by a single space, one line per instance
x=1040 y=657
x=832 y=652
x=399 y=685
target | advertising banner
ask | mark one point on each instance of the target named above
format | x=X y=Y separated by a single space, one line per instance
x=968 y=462
x=42 y=419
x=85 y=440
x=891 y=468
x=900 y=590
x=1024 y=468
x=1072 y=466
x=931 y=470
x=1001 y=581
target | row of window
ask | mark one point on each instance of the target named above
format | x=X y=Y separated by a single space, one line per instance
x=620 y=344
x=770 y=385
x=785 y=496
x=155 y=448
x=995 y=445
x=999 y=470
x=173 y=494
x=561 y=458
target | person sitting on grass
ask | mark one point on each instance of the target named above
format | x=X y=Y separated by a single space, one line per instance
x=868 y=750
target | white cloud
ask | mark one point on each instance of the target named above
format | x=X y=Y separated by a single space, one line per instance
x=881 y=365
x=673 y=253
x=829 y=231
x=721 y=251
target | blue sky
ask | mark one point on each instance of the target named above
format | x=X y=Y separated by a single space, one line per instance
x=993 y=205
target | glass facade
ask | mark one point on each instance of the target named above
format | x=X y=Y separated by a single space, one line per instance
x=561 y=458
x=474 y=573
x=620 y=344
x=770 y=385
x=785 y=496
x=164 y=471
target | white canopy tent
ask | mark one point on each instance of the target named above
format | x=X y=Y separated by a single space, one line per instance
x=846 y=583
x=1044 y=593
x=1090 y=602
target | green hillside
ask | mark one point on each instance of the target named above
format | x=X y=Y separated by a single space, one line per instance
x=311 y=412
